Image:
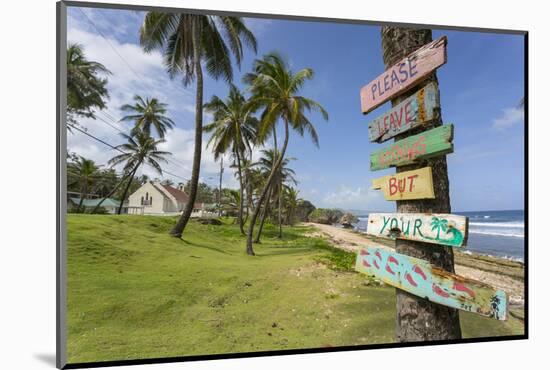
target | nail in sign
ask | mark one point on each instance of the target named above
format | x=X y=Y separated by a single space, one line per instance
x=416 y=184
x=438 y=228
x=404 y=75
x=420 y=278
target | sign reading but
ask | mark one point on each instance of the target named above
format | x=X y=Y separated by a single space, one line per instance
x=432 y=143
x=404 y=75
x=416 y=184
x=420 y=278
x=444 y=229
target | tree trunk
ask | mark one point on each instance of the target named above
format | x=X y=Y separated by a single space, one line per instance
x=83 y=191
x=417 y=318
x=264 y=215
x=280 y=206
x=126 y=189
x=110 y=193
x=177 y=230
x=241 y=190
x=249 y=248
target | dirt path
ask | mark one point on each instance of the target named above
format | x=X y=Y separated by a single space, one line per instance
x=501 y=274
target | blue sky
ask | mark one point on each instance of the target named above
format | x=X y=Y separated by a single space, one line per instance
x=481 y=86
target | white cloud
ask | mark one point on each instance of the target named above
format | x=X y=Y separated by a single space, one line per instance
x=355 y=198
x=508 y=118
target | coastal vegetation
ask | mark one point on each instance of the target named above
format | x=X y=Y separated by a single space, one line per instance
x=135 y=292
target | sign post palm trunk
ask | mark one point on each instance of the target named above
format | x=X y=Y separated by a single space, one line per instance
x=417 y=318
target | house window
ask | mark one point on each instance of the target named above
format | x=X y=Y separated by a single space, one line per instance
x=151 y=201
x=141 y=200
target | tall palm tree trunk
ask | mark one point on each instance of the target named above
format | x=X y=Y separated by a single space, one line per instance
x=177 y=230
x=249 y=249
x=279 y=185
x=119 y=211
x=264 y=215
x=280 y=206
x=417 y=318
x=111 y=192
x=241 y=192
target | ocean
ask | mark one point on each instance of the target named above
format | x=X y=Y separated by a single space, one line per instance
x=494 y=233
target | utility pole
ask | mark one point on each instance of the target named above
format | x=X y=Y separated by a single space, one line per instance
x=220 y=190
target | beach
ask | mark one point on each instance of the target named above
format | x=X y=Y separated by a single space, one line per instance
x=501 y=273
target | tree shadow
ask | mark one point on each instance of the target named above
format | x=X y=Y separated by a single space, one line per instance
x=277 y=251
x=219 y=250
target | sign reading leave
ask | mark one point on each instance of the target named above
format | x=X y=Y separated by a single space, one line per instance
x=416 y=184
x=445 y=229
x=420 y=278
x=432 y=143
x=404 y=75
x=414 y=111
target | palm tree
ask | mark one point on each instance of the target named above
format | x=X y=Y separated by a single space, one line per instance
x=139 y=149
x=86 y=90
x=291 y=200
x=275 y=89
x=147 y=113
x=439 y=224
x=283 y=174
x=233 y=129
x=84 y=171
x=418 y=319
x=187 y=41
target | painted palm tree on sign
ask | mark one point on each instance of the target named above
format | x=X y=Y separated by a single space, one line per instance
x=86 y=90
x=147 y=113
x=140 y=149
x=439 y=224
x=187 y=41
x=233 y=130
x=276 y=91
x=84 y=172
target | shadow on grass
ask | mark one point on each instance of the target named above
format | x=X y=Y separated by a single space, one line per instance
x=219 y=250
x=282 y=250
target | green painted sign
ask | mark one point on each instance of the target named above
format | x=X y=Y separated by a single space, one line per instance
x=431 y=143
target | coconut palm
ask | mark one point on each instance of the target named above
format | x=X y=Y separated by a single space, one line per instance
x=85 y=172
x=283 y=174
x=86 y=90
x=414 y=313
x=233 y=129
x=139 y=149
x=275 y=90
x=146 y=113
x=187 y=41
x=291 y=200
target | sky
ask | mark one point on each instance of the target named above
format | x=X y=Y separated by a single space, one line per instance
x=481 y=86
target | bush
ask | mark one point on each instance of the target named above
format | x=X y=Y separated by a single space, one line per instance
x=327 y=216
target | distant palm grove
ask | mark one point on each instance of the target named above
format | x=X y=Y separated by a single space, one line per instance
x=244 y=127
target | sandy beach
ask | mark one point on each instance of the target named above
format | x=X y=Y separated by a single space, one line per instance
x=500 y=273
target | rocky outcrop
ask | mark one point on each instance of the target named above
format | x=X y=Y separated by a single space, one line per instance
x=347 y=220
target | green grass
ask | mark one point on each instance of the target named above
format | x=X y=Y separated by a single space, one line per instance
x=135 y=292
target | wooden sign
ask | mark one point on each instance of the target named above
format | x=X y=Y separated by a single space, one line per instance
x=420 y=278
x=416 y=184
x=404 y=75
x=414 y=111
x=445 y=229
x=432 y=143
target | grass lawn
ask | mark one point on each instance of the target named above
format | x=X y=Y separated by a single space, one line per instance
x=135 y=292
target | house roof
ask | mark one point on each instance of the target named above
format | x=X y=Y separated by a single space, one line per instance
x=109 y=202
x=176 y=193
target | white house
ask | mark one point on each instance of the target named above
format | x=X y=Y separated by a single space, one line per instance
x=154 y=198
